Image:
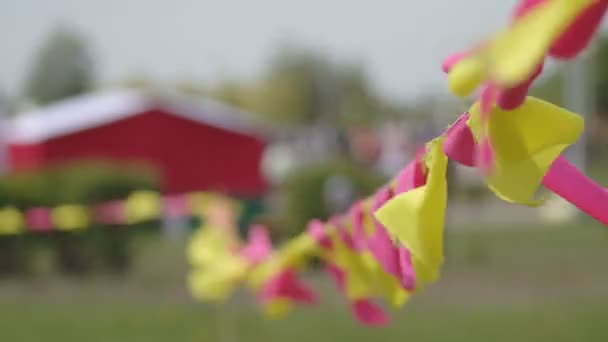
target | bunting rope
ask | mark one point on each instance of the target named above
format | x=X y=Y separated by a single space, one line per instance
x=390 y=245
x=140 y=206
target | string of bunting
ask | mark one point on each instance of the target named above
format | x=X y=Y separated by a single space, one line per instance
x=140 y=206
x=390 y=246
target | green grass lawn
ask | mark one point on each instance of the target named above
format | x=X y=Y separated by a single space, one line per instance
x=527 y=284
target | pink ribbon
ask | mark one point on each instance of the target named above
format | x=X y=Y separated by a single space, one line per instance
x=568 y=182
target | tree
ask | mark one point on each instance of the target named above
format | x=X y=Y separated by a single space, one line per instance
x=305 y=87
x=299 y=87
x=62 y=68
x=600 y=75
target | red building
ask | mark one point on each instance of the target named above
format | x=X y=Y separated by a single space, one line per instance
x=196 y=145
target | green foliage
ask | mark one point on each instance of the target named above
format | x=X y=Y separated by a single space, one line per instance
x=304 y=191
x=83 y=182
x=302 y=87
x=63 y=68
x=550 y=88
x=600 y=75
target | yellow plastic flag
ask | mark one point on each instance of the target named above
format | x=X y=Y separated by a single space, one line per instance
x=11 y=221
x=515 y=53
x=277 y=308
x=359 y=283
x=198 y=202
x=70 y=217
x=207 y=246
x=217 y=281
x=217 y=271
x=142 y=206
x=416 y=217
x=466 y=75
x=294 y=253
x=387 y=285
x=526 y=141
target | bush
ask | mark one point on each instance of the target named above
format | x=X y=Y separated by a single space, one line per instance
x=78 y=183
x=304 y=191
x=82 y=183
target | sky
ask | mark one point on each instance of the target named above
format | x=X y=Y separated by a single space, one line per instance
x=400 y=42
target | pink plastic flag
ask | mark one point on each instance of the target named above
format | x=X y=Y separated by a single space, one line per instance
x=451 y=60
x=259 y=246
x=506 y=98
x=511 y=98
x=109 y=213
x=39 y=220
x=316 y=229
x=370 y=313
x=384 y=251
x=579 y=33
x=413 y=175
x=358 y=231
x=175 y=206
x=286 y=285
x=525 y=6
x=364 y=310
x=337 y=274
x=568 y=182
x=408 y=274
x=563 y=178
x=484 y=156
x=459 y=143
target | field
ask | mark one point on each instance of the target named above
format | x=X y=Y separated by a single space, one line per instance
x=528 y=283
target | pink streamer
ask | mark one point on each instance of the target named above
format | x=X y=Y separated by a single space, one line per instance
x=568 y=182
